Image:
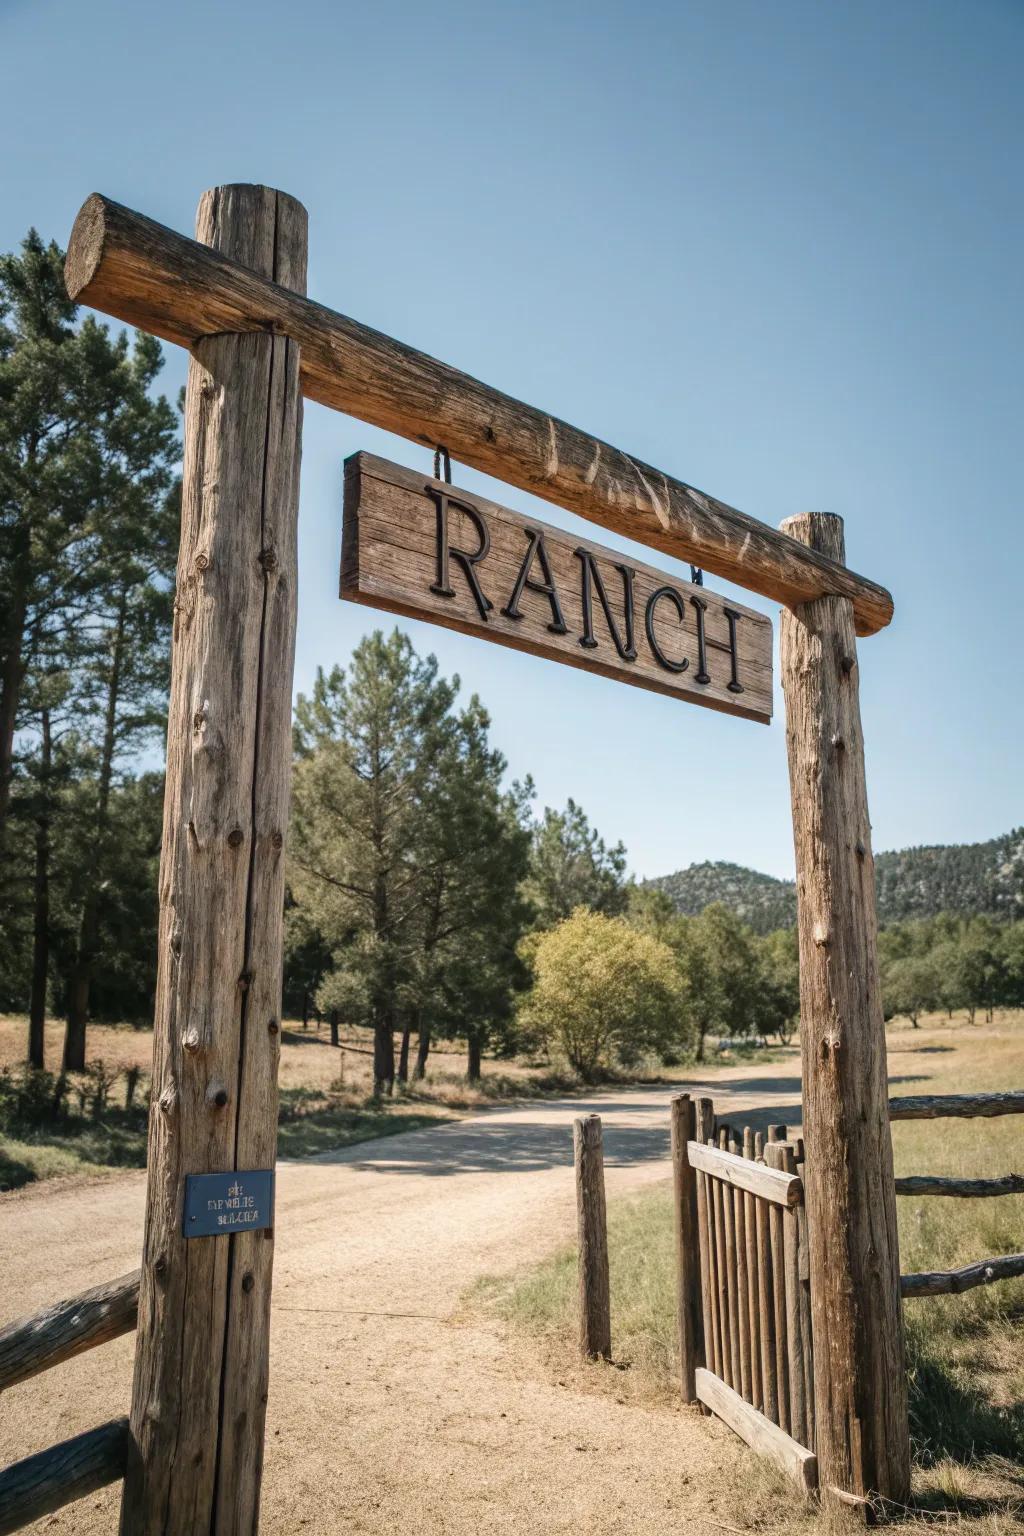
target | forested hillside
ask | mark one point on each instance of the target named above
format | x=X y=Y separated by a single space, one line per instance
x=965 y=878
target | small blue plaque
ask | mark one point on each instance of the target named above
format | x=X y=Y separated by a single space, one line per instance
x=217 y=1204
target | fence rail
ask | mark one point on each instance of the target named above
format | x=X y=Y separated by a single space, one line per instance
x=45 y=1482
x=68 y=1328
x=961 y=1106
x=40 y=1484
x=951 y=1282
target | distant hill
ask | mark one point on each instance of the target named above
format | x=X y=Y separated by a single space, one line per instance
x=968 y=878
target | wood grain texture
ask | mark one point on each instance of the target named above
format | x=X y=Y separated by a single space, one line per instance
x=758 y=1431
x=754 y=1278
x=704 y=1121
x=742 y=1173
x=150 y=276
x=860 y=1373
x=592 y=1234
x=958 y=1106
x=390 y=560
x=962 y=1189
x=689 y=1321
x=951 y=1282
x=45 y=1482
x=68 y=1328
x=201 y=1362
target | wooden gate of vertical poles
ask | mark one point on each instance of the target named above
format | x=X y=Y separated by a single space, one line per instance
x=746 y=1339
x=192 y=1452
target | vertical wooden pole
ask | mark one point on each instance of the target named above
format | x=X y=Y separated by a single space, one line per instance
x=750 y=1203
x=860 y=1377
x=592 y=1228
x=200 y=1384
x=739 y=1221
x=704 y=1124
x=766 y=1303
x=690 y=1325
x=776 y=1238
x=794 y=1332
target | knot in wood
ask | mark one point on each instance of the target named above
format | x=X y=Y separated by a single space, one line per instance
x=236 y=837
x=277 y=840
x=218 y=1096
x=190 y=1041
x=245 y=980
x=273 y=1027
x=838 y=742
x=861 y=850
x=168 y=1099
x=268 y=558
x=847 y=663
x=820 y=935
x=160 y=1267
x=248 y=1281
x=202 y=561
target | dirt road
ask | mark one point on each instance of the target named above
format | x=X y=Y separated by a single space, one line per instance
x=388 y=1409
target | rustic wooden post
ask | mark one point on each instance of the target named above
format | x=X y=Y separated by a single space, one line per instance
x=200 y=1386
x=704 y=1126
x=860 y=1380
x=688 y=1266
x=592 y=1227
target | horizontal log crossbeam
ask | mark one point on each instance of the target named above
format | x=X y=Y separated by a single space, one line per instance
x=145 y=274
x=961 y=1106
x=743 y=1173
x=61 y=1474
x=952 y=1282
x=68 y=1328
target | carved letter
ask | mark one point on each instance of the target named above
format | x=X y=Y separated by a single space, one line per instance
x=546 y=587
x=592 y=574
x=659 y=655
x=734 y=684
x=703 y=676
x=442 y=586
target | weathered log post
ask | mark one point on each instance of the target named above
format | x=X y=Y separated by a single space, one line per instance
x=860 y=1384
x=688 y=1268
x=200 y=1389
x=592 y=1227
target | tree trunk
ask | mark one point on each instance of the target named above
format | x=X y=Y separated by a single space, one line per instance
x=41 y=909
x=334 y=1027
x=383 y=1055
x=422 y=1050
x=12 y=674
x=88 y=934
x=474 y=1052
x=403 y=1055
x=860 y=1384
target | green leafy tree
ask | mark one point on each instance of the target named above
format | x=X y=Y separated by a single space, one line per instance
x=605 y=994
x=720 y=963
x=571 y=866
x=778 y=1005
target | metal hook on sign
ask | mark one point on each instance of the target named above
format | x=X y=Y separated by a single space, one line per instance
x=442 y=455
x=696 y=575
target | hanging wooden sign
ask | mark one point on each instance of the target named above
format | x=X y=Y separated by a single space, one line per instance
x=422 y=548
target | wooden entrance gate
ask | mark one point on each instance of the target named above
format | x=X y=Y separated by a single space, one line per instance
x=235 y=297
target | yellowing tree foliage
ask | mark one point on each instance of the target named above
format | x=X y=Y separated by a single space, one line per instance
x=605 y=994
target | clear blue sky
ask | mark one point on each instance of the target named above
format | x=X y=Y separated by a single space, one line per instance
x=775 y=249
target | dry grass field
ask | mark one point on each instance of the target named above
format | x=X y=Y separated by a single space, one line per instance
x=325 y=1098
x=966 y=1352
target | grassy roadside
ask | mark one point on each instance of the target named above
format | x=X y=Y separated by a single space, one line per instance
x=966 y=1353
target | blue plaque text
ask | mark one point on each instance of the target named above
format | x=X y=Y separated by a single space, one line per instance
x=217 y=1204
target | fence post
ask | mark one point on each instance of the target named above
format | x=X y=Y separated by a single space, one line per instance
x=592 y=1227
x=688 y=1258
x=201 y=1361
x=860 y=1374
